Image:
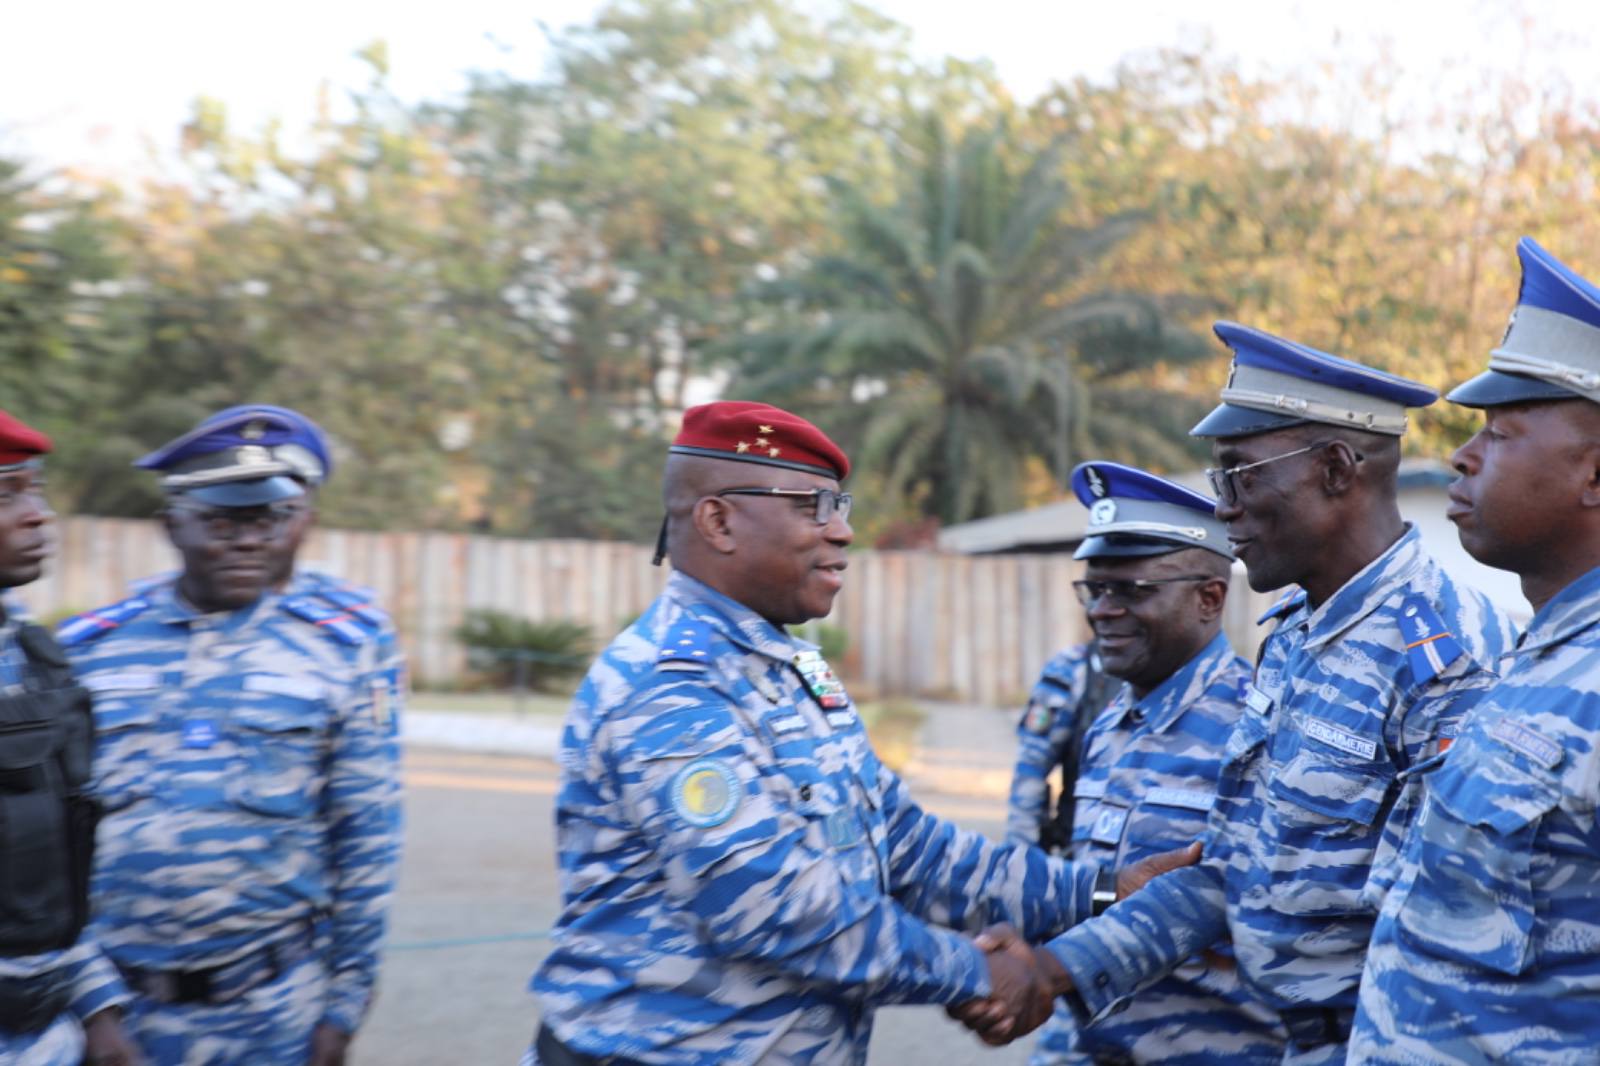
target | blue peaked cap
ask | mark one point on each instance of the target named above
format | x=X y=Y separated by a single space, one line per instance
x=1551 y=347
x=1135 y=513
x=244 y=456
x=1275 y=383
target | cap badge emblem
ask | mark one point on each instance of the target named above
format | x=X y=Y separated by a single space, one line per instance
x=253 y=430
x=252 y=455
x=1103 y=513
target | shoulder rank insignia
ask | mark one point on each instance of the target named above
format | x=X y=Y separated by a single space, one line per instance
x=820 y=681
x=357 y=603
x=1290 y=601
x=1430 y=647
x=687 y=646
x=337 y=624
x=91 y=624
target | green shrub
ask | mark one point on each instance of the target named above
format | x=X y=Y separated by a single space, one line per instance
x=514 y=652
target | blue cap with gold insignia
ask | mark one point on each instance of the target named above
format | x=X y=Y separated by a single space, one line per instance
x=1551 y=349
x=243 y=457
x=1134 y=513
x=1275 y=383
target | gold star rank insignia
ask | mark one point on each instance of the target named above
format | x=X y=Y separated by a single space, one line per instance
x=764 y=429
x=743 y=447
x=762 y=442
x=772 y=452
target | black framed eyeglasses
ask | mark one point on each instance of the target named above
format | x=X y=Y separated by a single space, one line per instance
x=1128 y=593
x=230 y=523
x=826 y=502
x=1225 y=484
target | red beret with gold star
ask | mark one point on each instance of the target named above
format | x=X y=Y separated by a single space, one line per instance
x=759 y=433
x=19 y=442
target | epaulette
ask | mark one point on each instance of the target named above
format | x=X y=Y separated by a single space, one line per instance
x=355 y=602
x=687 y=646
x=80 y=629
x=1430 y=647
x=1290 y=601
x=337 y=624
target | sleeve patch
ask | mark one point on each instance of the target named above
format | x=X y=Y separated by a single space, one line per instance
x=706 y=793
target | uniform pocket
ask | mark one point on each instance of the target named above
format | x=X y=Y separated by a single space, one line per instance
x=1326 y=827
x=280 y=749
x=1472 y=899
x=124 y=768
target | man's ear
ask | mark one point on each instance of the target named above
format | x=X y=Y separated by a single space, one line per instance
x=1339 y=462
x=712 y=518
x=1591 y=475
x=1213 y=597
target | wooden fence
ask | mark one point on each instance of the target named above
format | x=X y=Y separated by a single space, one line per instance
x=971 y=628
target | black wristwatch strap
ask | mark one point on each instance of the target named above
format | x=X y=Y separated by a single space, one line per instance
x=1105 y=891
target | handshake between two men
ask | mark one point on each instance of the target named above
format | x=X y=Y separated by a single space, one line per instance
x=1024 y=980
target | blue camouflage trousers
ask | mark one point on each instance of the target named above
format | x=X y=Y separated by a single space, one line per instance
x=270 y=1025
x=59 y=1044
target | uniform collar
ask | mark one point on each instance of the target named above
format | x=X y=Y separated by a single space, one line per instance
x=733 y=619
x=1364 y=593
x=1569 y=612
x=1164 y=704
x=168 y=605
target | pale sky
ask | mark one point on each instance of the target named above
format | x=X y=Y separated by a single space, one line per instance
x=89 y=83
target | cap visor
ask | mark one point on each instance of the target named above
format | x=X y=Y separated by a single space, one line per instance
x=251 y=493
x=1226 y=420
x=1493 y=388
x=1126 y=547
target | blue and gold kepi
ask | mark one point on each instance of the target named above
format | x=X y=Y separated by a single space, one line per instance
x=1275 y=383
x=1133 y=513
x=243 y=457
x=1551 y=350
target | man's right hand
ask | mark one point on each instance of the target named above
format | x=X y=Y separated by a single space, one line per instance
x=1131 y=879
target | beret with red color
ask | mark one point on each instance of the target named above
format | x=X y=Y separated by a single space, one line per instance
x=759 y=433
x=19 y=442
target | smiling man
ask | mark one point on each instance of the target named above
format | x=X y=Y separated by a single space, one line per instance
x=246 y=763
x=1487 y=948
x=1372 y=663
x=742 y=880
x=1154 y=589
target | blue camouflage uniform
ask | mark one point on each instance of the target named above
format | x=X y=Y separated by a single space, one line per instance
x=742 y=879
x=1043 y=737
x=1487 y=946
x=1146 y=783
x=92 y=979
x=1349 y=696
x=246 y=762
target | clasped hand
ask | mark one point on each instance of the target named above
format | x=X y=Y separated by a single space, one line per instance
x=1023 y=984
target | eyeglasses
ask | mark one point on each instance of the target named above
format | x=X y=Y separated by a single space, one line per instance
x=1224 y=482
x=228 y=523
x=1127 y=593
x=826 y=502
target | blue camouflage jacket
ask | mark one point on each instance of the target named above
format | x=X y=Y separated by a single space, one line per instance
x=1487 y=948
x=95 y=982
x=742 y=879
x=1042 y=738
x=1147 y=785
x=247 y=764
x=1347 y=698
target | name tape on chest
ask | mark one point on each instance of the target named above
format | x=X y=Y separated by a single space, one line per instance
x=1344 y=740
x=1541 y=749
x=125 y=681
x=1191 y=799
x=278 y=685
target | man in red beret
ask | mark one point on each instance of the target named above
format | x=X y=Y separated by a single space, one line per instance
x=742 y=879
x=55 y=985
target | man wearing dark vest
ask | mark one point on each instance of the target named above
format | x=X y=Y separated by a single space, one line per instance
x=56 y=987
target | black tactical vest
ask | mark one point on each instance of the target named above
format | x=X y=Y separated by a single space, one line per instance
x=47 y=818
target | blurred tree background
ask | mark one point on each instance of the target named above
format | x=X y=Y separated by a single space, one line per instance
x=499 y=304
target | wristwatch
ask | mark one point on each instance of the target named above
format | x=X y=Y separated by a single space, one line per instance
x=1104 y=893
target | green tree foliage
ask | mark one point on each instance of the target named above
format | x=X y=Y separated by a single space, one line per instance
x=959 y=332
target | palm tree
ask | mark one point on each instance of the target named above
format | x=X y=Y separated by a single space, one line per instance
x=951 y=338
